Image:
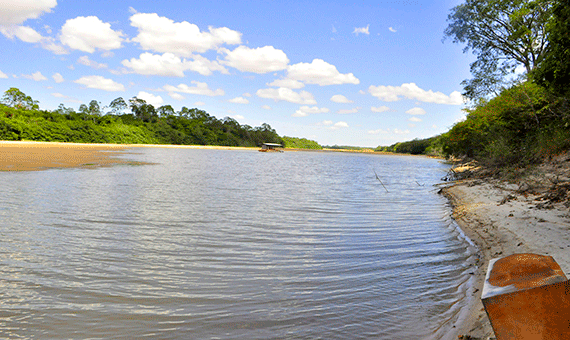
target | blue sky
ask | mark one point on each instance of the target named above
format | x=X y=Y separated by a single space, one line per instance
x=364 y=73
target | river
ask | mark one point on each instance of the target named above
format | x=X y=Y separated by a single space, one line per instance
x=232 y=244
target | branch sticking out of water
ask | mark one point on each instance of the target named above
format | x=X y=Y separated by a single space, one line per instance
x=379 y=180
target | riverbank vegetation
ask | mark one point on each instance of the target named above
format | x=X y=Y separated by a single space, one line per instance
x=519 y=111
x=21 y=119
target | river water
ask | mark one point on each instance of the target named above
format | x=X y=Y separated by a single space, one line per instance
x=218 y=244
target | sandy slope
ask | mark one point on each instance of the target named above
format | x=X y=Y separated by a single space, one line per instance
x=530 y=215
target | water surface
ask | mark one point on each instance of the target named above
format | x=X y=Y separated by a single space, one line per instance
x=218 y=244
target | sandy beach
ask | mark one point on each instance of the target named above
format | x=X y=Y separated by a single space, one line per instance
x=33 y=156
x=531 y=215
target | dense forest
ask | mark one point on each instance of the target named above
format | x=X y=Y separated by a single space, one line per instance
x=21 y=119
x=515 y=118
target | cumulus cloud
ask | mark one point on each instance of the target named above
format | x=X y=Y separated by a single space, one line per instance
x=380 y=109
x=363 y=30
x=257 y=60
x=176 y=96
x=3 y=75
x=84 y=60
x=88 y=34
x=239 y=100
x=163 y=35
x=266 y=107
x=306 y=110
x=339 y=125
x=348 y=111
x=150 y=98
x=415 y=119
x=289 y=83
x=286 y=94
x=199 y=89
x=170 y=65
x=339 y=98
x=391 y=29
x=58 y=78
x=37 y=76
x=15 y=12
x=321 y=73
x=416 y=111
x=100 y=83
x=24 y=33
x=412 y=91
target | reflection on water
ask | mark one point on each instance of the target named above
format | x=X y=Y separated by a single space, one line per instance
x=216 y=244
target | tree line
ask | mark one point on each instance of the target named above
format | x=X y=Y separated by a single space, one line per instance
x=125 y=122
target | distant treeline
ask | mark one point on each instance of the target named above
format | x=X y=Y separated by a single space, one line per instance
x=21 y=119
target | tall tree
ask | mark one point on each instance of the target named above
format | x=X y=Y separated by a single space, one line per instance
x=554 y=71
x=15 y=98
x=504 y=35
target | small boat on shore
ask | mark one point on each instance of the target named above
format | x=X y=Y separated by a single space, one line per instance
x=271 y=147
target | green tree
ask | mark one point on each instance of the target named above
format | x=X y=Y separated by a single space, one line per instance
x=554 y=71
x=15 y=98
x=165 y=111
x=503 y=34
x=94 y=108
x=118 y=105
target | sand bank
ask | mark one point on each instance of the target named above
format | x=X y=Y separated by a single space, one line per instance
x=531 y=215
x=30 y=156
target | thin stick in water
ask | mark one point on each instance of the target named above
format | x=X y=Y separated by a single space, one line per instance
x=379 y=180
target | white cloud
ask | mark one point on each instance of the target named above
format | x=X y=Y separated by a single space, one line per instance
x=354 y=110
x=416 y=111
x=58 y=78
x=37 y=76
x=100 y=83
x=84 y=60
x=286 y=94
x=247 y=94
x=14 y=12
x=200 y=89
x=415 y=119
x=150 y=98
x=412 y=91
x=257 y=60
x=170 y=65
x=363 y=30
x=380 y=109
x=401 y=132
x=199 y=103
x=339 y=125
x=266 y=107
x=339 y=98
x=239 y=100
x=391 y=29
x=24 y=33
x=162 y=35
x=289 y=83
x=378 y=131
x=88 y=34
x=321 y=73
x=3 y=75
x=327 y=122
x=58 y=95
x=306 y=110
x=176 y=96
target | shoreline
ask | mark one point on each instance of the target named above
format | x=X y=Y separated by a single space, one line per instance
x=504 y=218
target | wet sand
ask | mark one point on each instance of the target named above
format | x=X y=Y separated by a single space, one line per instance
x=33 y=156
x=508 y=218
